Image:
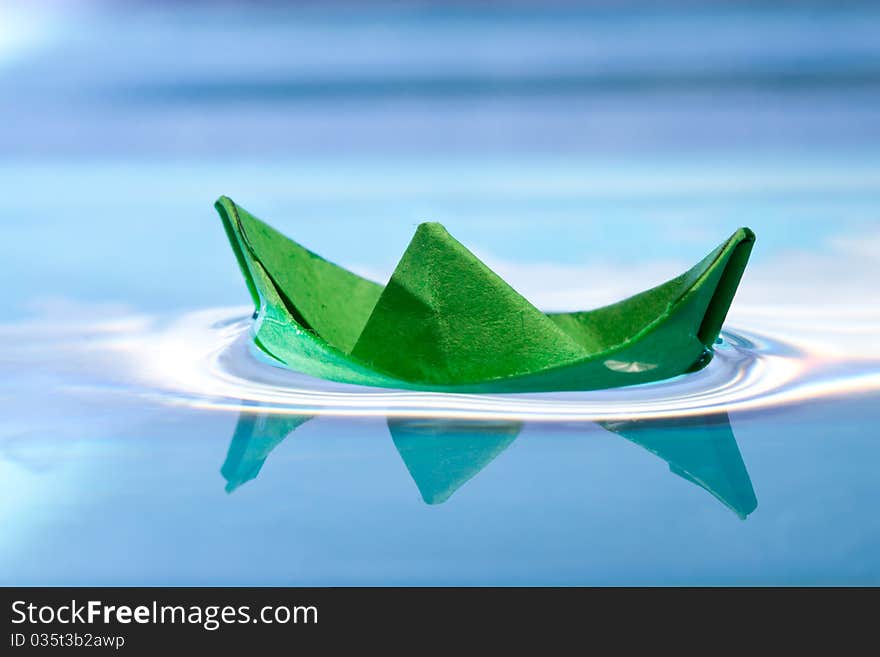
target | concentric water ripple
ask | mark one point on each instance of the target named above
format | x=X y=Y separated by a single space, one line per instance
x=205 y=359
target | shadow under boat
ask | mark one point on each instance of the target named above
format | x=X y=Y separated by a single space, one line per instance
x=442 y=455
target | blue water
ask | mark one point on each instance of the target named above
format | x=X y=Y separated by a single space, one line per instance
x=585 y=153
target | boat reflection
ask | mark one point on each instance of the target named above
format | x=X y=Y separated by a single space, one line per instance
x=442 y=455
x=701 y=450
x=256 y=435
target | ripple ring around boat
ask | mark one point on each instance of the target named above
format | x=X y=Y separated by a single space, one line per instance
x=205 y=359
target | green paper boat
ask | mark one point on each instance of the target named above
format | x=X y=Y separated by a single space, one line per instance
x=446 y=322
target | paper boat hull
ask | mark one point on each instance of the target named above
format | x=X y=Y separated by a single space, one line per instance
x=658 y=334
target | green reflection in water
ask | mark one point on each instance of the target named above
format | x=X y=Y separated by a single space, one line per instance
x=256 y=435
x=442 y=455
x=701 y=450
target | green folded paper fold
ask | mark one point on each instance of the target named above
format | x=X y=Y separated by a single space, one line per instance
x=447 y=322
